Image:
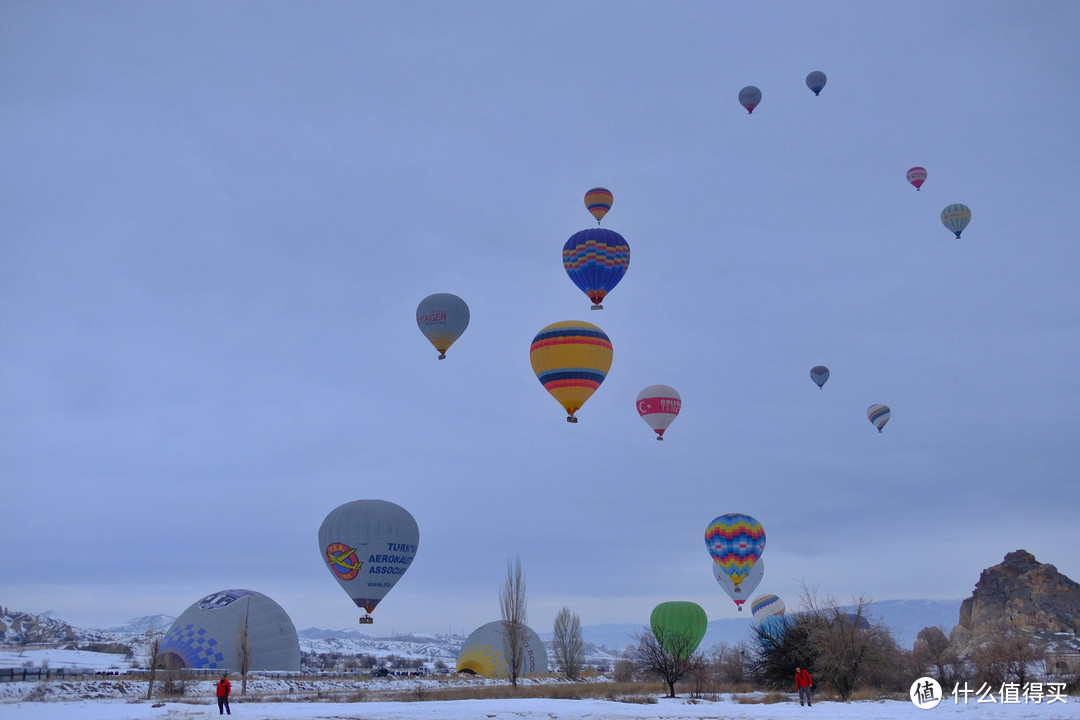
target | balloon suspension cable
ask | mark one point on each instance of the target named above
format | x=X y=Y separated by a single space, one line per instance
x=571 y=418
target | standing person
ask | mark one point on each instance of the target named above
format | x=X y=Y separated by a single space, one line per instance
x=803 y=683
x=223 y=689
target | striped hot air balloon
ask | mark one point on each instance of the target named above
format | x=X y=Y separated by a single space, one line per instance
x=879 y=415
x=596 y=260
x=571 y=359
x=764 y=606
x=735 y=541
x=598 y=201
x=956 y=217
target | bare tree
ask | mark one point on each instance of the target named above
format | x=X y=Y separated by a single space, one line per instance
x=933 y=655
x=668 y=655
x=243 y=649
x=1010 y=656
x=512 y=604
x=153 y=661
x=567 y=644
x=848 y=648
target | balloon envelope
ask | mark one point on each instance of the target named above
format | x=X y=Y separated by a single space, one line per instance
x=598 y=201
x=916 y=176
x=879 y=415
x=819 y=374
x=659 y=405
x=368 y=545
x=484 y=652
x=764 y=606
x=571 y=359
x=735 y=541
x=673 y=621
x=956 y=217
x=739 y=593
x=750 y=98
x=442 y=318
x=596 y=260
x=816 y=81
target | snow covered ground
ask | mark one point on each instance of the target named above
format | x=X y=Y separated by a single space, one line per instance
x=541 y=709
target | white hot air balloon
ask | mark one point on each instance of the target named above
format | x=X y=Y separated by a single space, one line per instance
x=659 y=405
x=442 y=318
x=740 y=593
x=368 y=545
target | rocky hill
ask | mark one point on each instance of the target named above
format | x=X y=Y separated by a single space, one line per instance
x=1022 y=594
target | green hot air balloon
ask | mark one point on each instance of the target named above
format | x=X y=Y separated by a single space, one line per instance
x=679 y=626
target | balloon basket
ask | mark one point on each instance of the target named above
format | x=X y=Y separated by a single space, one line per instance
x=366 y=620
x=659 y=437
x=571 y=419
x=601 y=307
x=442 y=356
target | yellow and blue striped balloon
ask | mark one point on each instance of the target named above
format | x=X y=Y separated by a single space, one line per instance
x=598 y=201
x=571 y=359
x=956 y=217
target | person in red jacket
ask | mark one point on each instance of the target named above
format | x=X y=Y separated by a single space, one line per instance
x=803 y=683
x=223 y=688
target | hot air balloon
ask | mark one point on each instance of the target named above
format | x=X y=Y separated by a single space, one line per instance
x=571 y=359
x=816 y=81
x=916 y=176
x=750 y=98
x=739 y=593
x=735 y=541
x=367 y=546
x=819 y=374
x=879 y=415
x=596 y=260
x=679 y=626
x=764 y=606
x=486 y=649
x=658 y=405
x=598 y=201
x=442 y=318
x=956 y=217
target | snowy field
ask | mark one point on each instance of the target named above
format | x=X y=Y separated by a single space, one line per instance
x=537 y=709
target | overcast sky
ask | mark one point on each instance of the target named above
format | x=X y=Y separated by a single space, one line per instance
x=217 y=220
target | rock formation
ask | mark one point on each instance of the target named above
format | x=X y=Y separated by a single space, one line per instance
x=1022 y=594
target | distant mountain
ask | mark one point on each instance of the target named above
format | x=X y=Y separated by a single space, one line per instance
x=905 y=618
x=147 y=623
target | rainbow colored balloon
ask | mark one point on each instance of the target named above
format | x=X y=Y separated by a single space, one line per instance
x=596 y=260
x=740 y=593
x=735 y=541
x=598 y=201
x=764 y=606
x=571 y=359
x=879 y=415
x=956 y=217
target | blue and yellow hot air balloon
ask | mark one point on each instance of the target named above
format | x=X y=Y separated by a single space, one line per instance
x=879 y=415
x=735 y=542
x=571 y=359
x=596 y=260
x=598 y=201
x=956 y=217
